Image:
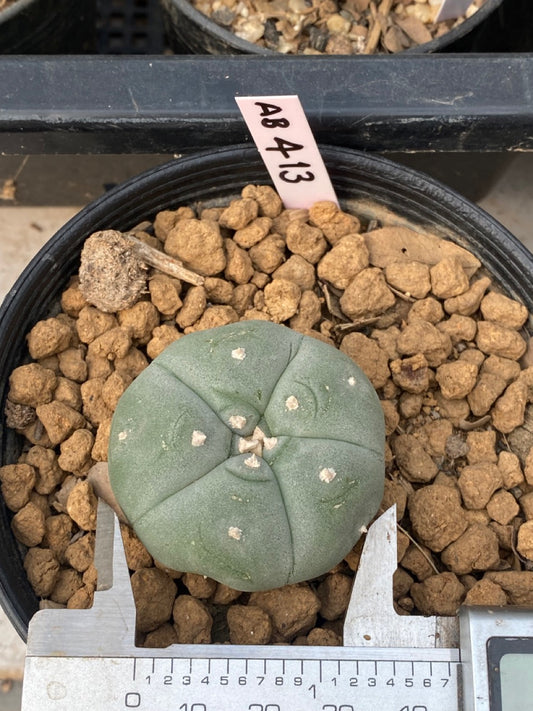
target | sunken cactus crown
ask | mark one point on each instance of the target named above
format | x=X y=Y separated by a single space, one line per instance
x=249 y=453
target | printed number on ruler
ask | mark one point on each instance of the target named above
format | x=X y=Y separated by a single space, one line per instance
x=287 y=146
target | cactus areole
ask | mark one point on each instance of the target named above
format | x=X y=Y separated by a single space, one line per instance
x=249 y=453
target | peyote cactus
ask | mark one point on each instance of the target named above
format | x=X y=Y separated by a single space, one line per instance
x=249 y=453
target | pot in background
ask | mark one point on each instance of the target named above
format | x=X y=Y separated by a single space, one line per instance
x=191 y=32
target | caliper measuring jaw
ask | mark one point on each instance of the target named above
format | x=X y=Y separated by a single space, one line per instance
x=371 y=620
x=91 y=654
x=108 y=627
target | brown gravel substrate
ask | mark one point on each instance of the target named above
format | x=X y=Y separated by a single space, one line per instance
x=446 y=350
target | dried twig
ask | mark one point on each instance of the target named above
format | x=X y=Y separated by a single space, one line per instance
x=415 y=543
x=375 y=32
x=162 y=262
x=401 y=294
x=521 y=560
x=113 y=268
x=330 y=305
x=8 y=190
x=343 y=328
x=505 y=441
x=466 y=426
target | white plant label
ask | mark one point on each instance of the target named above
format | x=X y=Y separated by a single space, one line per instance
x=288 y=148
x=452 y=9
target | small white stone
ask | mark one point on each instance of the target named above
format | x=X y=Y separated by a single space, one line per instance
x=291 y=403
x=198 y=438
x=237 y=421
x=234 y=532
x=238 y=353
x=122 y=436
x=351 y=380
x=327 y=475
x=363 y=529
x=251 y=30
x=253 y=462
x=270 y=442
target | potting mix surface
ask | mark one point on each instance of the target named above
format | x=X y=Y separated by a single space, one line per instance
x=332 y=26
x=444 y=347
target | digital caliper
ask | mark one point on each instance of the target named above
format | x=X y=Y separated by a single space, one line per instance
x=481 y=660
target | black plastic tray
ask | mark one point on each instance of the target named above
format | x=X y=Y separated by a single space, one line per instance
x=129 y=27
x=132 y=97
x=117 y=102
x=176 y=104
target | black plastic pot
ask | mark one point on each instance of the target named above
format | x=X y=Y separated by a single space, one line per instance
x=189 y=30
x=369 y=185
x=48 y=27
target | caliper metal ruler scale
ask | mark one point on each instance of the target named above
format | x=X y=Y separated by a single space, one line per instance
x=86 y=660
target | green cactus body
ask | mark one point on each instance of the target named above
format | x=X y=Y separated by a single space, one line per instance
x=249 y=453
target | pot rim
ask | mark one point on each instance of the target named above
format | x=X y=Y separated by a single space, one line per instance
x=377 y=165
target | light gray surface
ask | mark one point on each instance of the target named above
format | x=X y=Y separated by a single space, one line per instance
x=23 y=231
x=511 y=200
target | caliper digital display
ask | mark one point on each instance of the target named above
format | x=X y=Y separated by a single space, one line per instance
x=510 y=664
